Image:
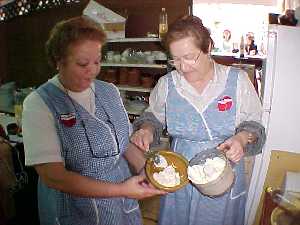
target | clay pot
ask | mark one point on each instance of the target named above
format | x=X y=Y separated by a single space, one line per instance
x=134 y=77
x=123 y=76
x=147 y=81
x=101 y=75
x=111 y=76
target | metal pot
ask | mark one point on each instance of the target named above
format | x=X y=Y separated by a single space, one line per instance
x=222 y=182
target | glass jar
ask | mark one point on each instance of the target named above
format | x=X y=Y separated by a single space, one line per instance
x=163 y=23
x=288 y=201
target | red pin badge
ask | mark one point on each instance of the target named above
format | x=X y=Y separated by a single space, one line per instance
x=68 y=119
x=225 y=103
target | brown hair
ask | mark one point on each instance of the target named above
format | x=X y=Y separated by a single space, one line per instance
x=68 y=32
x=190 y=26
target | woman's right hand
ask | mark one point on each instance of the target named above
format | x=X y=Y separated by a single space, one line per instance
x=138 y=188
x=142 y=138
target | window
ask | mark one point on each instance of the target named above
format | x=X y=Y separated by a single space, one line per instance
x=238 y=18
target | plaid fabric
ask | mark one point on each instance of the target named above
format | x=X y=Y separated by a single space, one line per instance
x=92 y=147
x=193 y=131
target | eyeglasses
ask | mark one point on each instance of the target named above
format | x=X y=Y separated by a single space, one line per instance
x=188 y=59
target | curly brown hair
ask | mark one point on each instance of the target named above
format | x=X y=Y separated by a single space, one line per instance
x=68 y=32
x=190 y=26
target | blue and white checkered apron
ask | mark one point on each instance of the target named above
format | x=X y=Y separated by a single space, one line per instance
x=91 y=147
x=192 y=132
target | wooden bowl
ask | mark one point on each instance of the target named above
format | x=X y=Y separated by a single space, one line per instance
x=180 y=165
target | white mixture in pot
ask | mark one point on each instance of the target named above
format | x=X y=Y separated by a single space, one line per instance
x=209 y=171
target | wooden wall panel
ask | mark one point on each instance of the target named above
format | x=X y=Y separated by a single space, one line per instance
x=280 y=162
x=143 y=16
x=3 y=53
x=26 y=35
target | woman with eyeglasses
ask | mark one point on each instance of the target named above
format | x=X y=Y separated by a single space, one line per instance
x=76 y=132
x=202 y=105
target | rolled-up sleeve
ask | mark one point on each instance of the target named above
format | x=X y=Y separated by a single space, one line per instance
x=249 y=107
x=249 y=113
x=157 y=100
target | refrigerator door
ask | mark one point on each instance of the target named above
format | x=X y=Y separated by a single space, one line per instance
x=259 y=172
x=281 y=119
x=283 y=125
x=269 y=70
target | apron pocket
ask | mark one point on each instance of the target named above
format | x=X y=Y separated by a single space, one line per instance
x=78 y=211
x=130 y=205
x=239 y=187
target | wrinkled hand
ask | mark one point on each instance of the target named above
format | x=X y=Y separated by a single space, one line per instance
x=138 y=188
x=142 y=138
x=233 y=148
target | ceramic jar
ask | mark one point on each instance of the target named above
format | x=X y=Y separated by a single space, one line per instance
x=111 y=76
x=123 y=76
x=147 y=81
x=134 y=77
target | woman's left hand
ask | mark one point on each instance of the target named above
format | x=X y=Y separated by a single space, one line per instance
x=233 y=147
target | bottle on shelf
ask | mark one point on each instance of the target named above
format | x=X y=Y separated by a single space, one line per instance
x=163 y=23
x=263 y=49
x=242 y=47
x=288 y=201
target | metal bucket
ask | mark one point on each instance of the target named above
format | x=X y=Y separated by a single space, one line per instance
x=222 y=183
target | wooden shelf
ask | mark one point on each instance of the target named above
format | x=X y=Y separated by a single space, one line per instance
x=134 y=109
x=134 y=40
x=134 y=112
x=157 y=66
x=164 y=139
x=130 y=88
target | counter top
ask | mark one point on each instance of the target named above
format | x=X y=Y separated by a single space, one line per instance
x=6 y=119
x=231 y=58
x=237 y=55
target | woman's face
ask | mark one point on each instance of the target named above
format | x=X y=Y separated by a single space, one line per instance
x=81 y=65
x=226 y=35
x=189 y=60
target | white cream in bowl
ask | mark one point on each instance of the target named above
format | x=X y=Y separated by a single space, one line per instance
x=207 y=172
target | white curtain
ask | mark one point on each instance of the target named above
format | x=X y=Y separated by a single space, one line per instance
x=253 y=2
x=288 y=4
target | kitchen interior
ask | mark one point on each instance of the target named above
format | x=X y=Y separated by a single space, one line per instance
x=134 y=58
